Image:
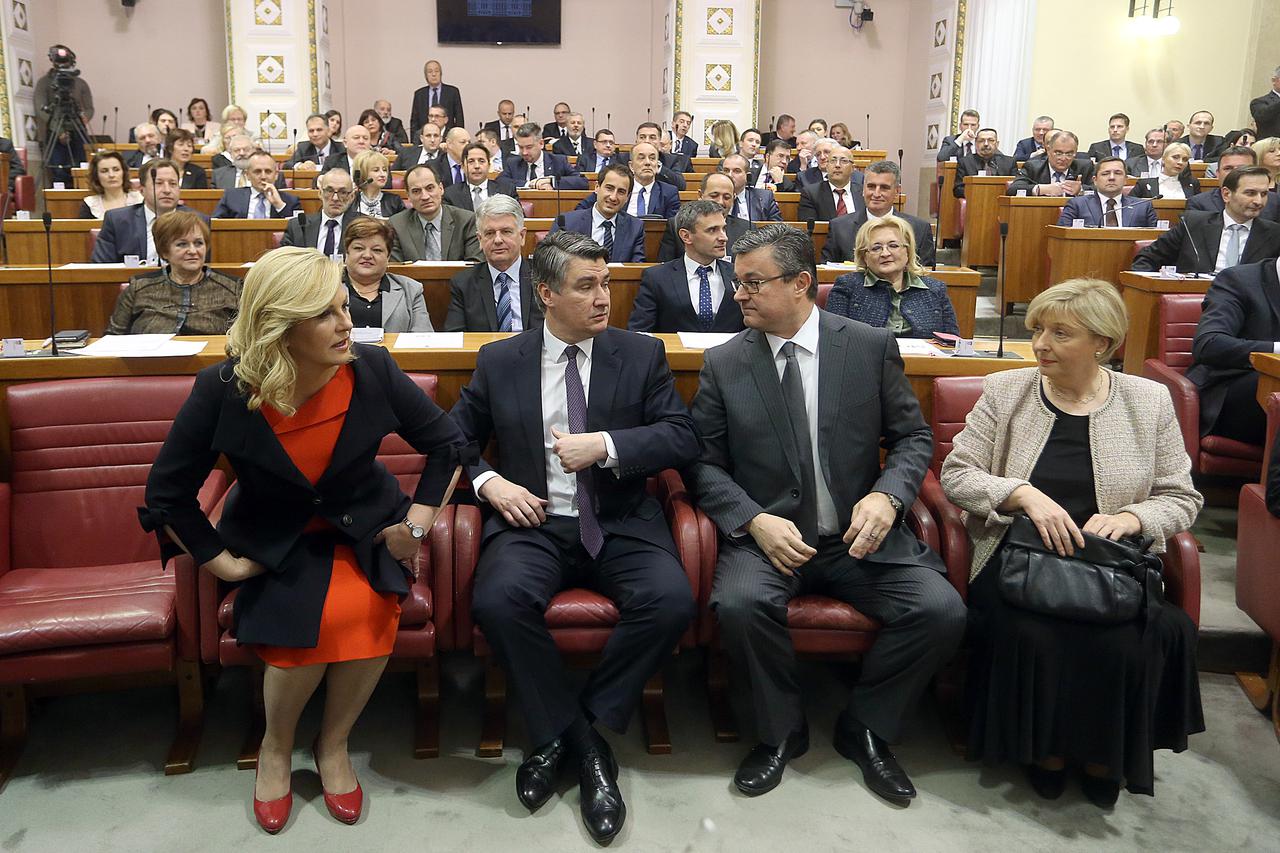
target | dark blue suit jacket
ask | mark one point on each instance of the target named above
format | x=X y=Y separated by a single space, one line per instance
x=1134 y=212
x=762 y=206
x=516 y=170
x=234 y=204
x=124 y=232
x=1026 y=147
x=632 y=397
x=661 y=199
x=663 y=304
x=687 y=146
x=628 y=233
x=1211 y=200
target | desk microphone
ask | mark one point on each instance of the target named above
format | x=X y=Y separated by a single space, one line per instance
x=1185 y=227
x=593 y=122
x=867 y=142
x=899 y=161
x=115 y=134
x=104 y=124
x=53 y=316
x=1004 y=241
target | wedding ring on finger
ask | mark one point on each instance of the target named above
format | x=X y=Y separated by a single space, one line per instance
x=873 y=535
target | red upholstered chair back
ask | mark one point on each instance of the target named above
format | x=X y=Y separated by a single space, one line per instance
x=24 y=192
x=92 y=240
x=397 y=181
x=1139 y=245
x=396 y=453
x=22 y=155
x=1179 y=315
x=276 y=238
x=824 y=290
x=82 y=450
x=953 y=399
x=527 y=207
x=964 y=214
x=539 y=236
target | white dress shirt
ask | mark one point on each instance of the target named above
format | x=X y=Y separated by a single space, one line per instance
x=806 y=341
x=634 y=201
x=744 y=206
x=597 y=225
x=1154 y=168
x=152 y=258
x=695 y=283
x=849 y=205
x=337 y=232
x=254 y=195
x=576 y=143
x=424 y=155
x=1102 y=203
x=562 y=488
x=483 y=187
x=1170 y=187
x=1221 y=262
x=513 y=272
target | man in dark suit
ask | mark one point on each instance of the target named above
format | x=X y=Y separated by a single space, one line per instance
x=1150 y=163
x=1265 y=109
x=127 y=230
x=839 y=195
x=1204 y=145
x=574 y=143
x=355 y=139
x=1241 y=315
x=803 y=165
x=477 y=185
x=436 y=94
x=964 y=143
x=429 y=230
x=148 y=139
x=603 y=217
x=785 y=129
x=261 y=199
x=502 y=125
x=750 y=203
x=449 y=165
x=559 y=127
x=1206 y=242
x=986 y=160
x=317 y=148
x=537 y=169
x=1035 y=142
x=602 y=153
x=1115 y=144
x=693 y=293
x=649 y=196
x=770 y=173
x=881 y=185
x=1235 y=157
x=1058 y=173
x=323 y=230
x=682 y=143
x=15 y=162
x=426 y=152
x=1107 y=206
x=394 y=126
x=717 y=187
x=567 y=507
x=497 y=294
x=671 y=166
x=804 y=506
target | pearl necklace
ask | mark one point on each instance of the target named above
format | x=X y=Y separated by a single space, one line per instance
x=1079 y=401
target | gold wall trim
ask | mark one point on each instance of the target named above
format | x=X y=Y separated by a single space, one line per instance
x=6 y=121
x=755 y=76
x=957 y=66
x=678 y=35
x=231 y=57
x=311 y=50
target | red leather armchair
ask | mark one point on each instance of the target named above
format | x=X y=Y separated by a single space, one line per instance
x=1258 y=582
x=1212 y=454
x=83 y=597
x=580 y=620
x=426 y=615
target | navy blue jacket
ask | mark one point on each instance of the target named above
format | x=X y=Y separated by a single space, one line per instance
x=927 y=311
x=516 y=170
x=234 y=204
x=663 y=304
x=628 y=233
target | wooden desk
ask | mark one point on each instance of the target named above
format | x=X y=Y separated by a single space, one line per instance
x=948 y=204
x=1092 y=252
x=1268 y=367
x=65 y=204
x=981 y=244
x=452 y=366
x=1142 y=292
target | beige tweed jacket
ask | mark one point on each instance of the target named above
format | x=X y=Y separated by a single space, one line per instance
x=1140 y=464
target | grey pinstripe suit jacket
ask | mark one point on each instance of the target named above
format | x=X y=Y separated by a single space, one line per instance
x=750 y=462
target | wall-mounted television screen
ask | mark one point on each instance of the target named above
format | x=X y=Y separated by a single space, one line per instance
x=498 y=21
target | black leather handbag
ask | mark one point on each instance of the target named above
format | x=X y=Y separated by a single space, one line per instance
x=1106 y=582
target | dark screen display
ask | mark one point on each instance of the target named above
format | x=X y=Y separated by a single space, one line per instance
x=498 y=21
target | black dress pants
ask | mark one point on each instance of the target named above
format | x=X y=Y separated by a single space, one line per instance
x=521 y=570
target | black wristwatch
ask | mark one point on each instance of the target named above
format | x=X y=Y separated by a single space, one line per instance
x=419 y=532
x=895 y=502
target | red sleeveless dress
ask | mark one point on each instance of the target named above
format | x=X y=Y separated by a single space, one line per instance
x=357 y=623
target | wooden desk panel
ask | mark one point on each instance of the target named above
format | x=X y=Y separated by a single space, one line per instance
x=1268 y=367
x=1092 y=252
x=1142 y=292
x=25 y=241
x=948 y=204
x=238 y=241
x=981 y=244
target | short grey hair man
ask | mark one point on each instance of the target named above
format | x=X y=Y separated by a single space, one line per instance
x=792 y=250
x=550 y=264
x=529 y=129
x=886 y=167
x=499 y=205
x=691 y=211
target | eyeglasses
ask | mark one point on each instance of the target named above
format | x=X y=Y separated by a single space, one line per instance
x=335 y=192
x=877 y=248
x=839 y=161
x=753 y=285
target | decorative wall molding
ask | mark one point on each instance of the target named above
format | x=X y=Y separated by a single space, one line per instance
x=716 y=62
x=18 y=75
x=943 y=95
x=274 y=53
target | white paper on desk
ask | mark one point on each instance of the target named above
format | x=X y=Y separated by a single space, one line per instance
x=367 y=334
x=96 y=267
x=141 y=346
x=919 y=346
x=704 y=340
x=442 y=263
x=428 y=340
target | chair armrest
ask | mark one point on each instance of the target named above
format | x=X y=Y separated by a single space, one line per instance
x=684 y=532
x=670 y=486
x=708 y=536
x=923 y=525
x=1186 y=403
x=6 y=520
x=209 y=590
x=956 y=550
x=439 y=576
x=467 y=532
x=1181 y=561
x=187 y=607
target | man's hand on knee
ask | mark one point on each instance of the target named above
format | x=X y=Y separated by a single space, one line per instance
x=519 y=506
x=781 y=542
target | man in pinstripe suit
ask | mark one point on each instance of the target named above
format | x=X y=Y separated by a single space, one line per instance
x=793 y=412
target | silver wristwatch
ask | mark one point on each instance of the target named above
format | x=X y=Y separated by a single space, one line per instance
x=895 y=502
x=415 y=530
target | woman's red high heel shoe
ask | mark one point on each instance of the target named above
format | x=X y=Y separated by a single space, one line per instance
x=344 y=807
x=271 y=815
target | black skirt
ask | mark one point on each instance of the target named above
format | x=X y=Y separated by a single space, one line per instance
x=1109 y=695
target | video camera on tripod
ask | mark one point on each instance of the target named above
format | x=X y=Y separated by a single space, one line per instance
x=66 y=128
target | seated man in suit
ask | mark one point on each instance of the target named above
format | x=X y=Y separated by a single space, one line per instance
x=127 y=230
x=574 y=143
x=449 y=164
x=560 y=127
x=770 y=173
x=603 y=216
x=436 y=95
x=804 y=164
x=567 y=507
x=964 y=143
x=537 y=169
x=1115 y=144
x=750 y=203
x=692 y=293
x=323 y=231
x=1239 y=318
x=239 y=147
x=1107 y=206
x=672 y=165
x=354 y=140
x=602 y=153
x=148 y=138
x=838 y=196
x=649 y=196
x=1235 y=157
x=717 y=187
x=429 y=230
x=477 y=185
x=440 y=118
x=1058 y=173
x=881 y=185
x=496 y=295
x=502 y=125
x=1035 y=142
x=318 y=147
x=1204 y=145
x=1206 y=242
x=790 y=473
x=1265 y=110
x=393 y=125
x=681 y=142
x=261 y=199
x=784 y=129
x=424 y=153
x=1150 y=163
x=750 y=141
x=986 y=160
x=1173 y=129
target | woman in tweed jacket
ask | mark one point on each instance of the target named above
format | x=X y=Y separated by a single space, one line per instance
x=1075 y=447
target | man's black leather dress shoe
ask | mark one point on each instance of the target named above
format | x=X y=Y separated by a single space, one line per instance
x=536 y=778
x=761 y=771
x=880 y=770
x=603 y=811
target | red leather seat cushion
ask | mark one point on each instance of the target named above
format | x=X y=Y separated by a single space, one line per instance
x=55 y=608
x=581 y=608
x=818 y=612
x=1219 y=446
x=1257 y=581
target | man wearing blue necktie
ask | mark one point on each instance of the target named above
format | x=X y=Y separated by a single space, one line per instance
x=1058 y=173
x=1115 y=145
x=261 y=199
x=435 y=94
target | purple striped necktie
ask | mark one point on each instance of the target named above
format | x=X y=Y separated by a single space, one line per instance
x=576 y=401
